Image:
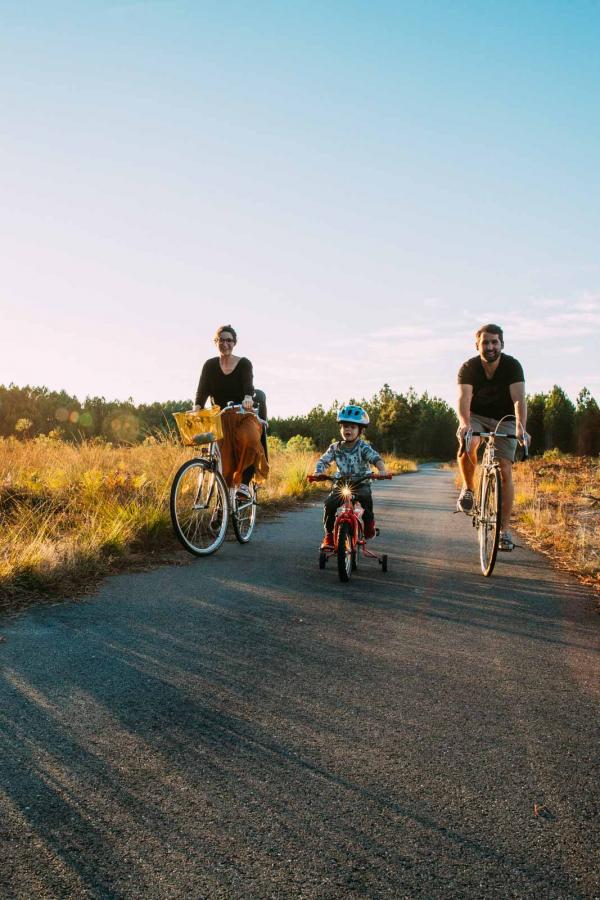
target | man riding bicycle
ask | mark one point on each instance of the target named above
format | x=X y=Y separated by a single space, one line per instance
x=491 y=387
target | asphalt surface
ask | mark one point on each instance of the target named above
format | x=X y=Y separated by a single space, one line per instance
x=247 y=726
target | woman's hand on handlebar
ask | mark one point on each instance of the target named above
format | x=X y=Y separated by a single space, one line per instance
x=248 y=402
x=244 y=410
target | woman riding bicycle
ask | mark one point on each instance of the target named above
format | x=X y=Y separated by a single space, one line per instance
x=227 y=378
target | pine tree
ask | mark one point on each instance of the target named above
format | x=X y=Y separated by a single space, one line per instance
x=559 y=421
x=587 y=424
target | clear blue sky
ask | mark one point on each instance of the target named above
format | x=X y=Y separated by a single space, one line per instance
x=355 y=186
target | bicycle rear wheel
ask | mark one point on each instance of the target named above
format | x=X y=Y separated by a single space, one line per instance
x=344 y=552
x=243 y=516
x=199 y=507
x=489 y=522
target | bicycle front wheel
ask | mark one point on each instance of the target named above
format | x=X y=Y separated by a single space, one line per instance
x=243 y=516
x=199 y=508
x=489 y=520
x=344 y=552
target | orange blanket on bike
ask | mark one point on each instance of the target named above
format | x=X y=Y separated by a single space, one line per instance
x=241 y=448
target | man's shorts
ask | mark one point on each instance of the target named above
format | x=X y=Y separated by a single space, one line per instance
x=505 y=447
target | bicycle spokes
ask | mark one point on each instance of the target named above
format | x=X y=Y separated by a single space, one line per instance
x=488 y=521
x=244 y=515
x=199 y=508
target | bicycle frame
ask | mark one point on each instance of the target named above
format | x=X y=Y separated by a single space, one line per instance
x=487 y=512
x=347 y=513
x=214 y=455
x=348 y=518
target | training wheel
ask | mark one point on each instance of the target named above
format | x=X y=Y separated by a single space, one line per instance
x=322 y=560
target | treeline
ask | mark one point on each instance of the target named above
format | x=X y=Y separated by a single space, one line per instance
x=31 y=411
x=425 y=426
x=554 y=421
x=404 y=424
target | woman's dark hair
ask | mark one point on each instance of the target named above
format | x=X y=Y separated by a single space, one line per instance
x=228 y=328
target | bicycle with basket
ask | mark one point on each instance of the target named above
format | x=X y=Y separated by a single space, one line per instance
x=201 y=503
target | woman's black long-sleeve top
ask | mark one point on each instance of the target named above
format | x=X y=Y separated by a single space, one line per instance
x=222 y=388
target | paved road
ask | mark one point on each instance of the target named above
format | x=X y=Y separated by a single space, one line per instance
x=247 y=726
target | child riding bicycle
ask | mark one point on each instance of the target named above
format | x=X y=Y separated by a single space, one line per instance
x=353 y=457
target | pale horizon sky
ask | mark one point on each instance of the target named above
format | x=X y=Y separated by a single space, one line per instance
x=355 y=187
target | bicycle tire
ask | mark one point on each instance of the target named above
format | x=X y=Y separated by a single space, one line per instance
x=344 y=552
x=489 y=523
x=243 y=516
x=199 y=507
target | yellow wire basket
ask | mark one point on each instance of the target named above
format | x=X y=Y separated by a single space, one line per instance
x=203 y=420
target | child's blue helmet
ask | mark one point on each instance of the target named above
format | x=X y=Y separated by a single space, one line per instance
x=353 y=414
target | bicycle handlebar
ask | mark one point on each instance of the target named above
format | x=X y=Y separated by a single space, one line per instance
x=239 y=409
x=466 y=440
x=369 y=477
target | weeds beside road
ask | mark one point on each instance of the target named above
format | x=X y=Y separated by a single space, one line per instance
x=557 y=507
x=71 y=514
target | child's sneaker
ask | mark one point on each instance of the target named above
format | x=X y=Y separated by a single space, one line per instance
x=327 y=541
x=370 y=530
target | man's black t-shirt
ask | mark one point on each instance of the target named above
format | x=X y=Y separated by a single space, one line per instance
x=491 y=396
x=225 y=388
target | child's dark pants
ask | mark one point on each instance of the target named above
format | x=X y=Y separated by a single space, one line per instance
x=363 y=495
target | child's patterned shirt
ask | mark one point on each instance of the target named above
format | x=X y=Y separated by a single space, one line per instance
x=356 y=461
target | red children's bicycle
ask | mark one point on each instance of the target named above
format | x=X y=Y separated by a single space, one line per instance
x=348 y=530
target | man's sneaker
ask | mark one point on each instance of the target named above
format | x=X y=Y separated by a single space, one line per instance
x=370 y=530
x=465 y=501
x=506 y=542
x=327 y=541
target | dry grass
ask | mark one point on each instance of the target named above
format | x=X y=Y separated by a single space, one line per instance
x=557 y=506
x=70 y=514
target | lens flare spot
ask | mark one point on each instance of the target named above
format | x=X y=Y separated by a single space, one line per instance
x=125 y=427
x=74 y=416
x=62 y=414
